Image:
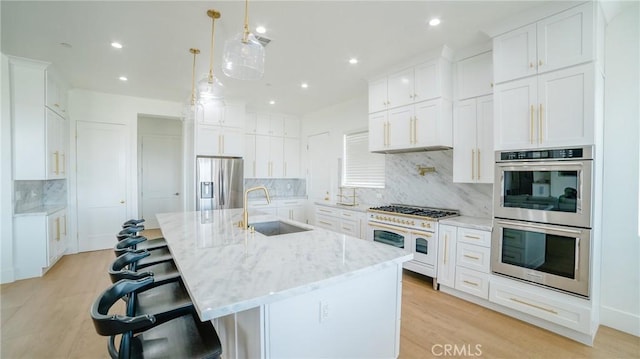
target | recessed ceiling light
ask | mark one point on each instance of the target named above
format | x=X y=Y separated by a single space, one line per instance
x=272 y=102
x=304 y=85
x=123 y=78
x=117 y=45
x=434 y=22
x=261 y=30
x=353 y=61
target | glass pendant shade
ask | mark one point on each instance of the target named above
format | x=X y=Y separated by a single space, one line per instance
x=243 y=60
x=210 y=90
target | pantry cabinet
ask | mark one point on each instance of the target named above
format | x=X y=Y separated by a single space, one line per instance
x=40 y=240
x=559 y=41
x=269 y=156
x=40 y=130
x=473 y=141
x=553 y=109
x=291 y=158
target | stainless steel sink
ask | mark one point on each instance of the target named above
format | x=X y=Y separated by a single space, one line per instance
x=276 y=228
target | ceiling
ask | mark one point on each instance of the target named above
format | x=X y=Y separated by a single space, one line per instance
x=311 y=42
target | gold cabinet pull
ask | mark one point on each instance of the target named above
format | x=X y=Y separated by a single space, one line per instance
x=540 y=124
x=472 y=257
x=531 y=64
x=58 y=229
x=64 y=164
x=471 y=283
x=254 y=168
x=473 y=160
x=325 y=223
x=57 y=160
x=540 y=63
x=446 y=248
x=478 y=166
x=285 y=169
x=472 y=237
x=531 y=131
x=533 y=305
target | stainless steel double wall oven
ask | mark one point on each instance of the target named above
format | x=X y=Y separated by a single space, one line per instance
x=542 y=217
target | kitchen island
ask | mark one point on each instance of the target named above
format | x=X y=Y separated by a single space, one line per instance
x=313 y=293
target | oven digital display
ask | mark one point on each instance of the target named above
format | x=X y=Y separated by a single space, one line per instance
x=542 y=154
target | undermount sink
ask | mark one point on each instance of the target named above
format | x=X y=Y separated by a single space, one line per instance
x=276 y=228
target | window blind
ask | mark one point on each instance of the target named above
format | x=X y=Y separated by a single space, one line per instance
x=361 y=168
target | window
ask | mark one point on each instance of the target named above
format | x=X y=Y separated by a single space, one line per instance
x=361 y=168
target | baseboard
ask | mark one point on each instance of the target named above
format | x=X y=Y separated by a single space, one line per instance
x=619 y=320
x=7 y=276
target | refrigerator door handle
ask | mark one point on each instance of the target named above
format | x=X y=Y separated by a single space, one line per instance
x=221 y=185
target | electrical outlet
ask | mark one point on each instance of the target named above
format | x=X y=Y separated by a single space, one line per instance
x=324 y=310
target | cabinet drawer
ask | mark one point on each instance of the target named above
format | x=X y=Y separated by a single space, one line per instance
x=472 y=282
x=327 y=222
x=350 y=227
x=473 y=257
x=474 y=236
x=327 y=211
x=555 y=307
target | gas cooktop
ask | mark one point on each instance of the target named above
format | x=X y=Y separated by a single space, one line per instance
x=426 y=212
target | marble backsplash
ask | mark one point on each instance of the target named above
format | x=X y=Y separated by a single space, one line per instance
x=405 y=185
x=32 y=194
x=278 y=187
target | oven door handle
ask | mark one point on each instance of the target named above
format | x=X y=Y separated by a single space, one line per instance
x=577 y=257
x=547 y=228
x=396 y=229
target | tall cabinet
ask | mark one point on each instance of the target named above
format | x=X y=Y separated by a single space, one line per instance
x=273 y=146
x=40 y=127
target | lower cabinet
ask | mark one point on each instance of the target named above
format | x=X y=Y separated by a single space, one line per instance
x=340 y=220
x=292 y=209
x=40 y=240
x=464 y=258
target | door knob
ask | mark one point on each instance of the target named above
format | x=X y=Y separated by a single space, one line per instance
x=177 y=193
x=122 y=201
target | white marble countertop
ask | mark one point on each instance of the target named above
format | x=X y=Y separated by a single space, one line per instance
x=42 y=210
x=227 y=269
x=357 y=208
x=481 y=223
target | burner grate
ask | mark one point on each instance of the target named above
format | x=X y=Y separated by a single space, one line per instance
x=417 y=211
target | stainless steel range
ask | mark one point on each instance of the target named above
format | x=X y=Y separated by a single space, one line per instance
x=410 y=227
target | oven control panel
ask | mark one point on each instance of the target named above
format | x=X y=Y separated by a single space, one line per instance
x=396 y=220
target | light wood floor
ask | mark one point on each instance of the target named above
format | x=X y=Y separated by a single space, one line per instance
x=48 y=317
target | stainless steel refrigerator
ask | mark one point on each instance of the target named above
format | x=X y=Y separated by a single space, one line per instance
x=219 y=183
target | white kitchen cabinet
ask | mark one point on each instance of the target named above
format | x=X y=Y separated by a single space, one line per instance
x=291 y=158
x=293 y=209
x=378 y=141
x=219 y=141
x=474 y=76
x=473 y=141
x=39 y=133
x=269 y=124
x=270 y=208
x=345 y=221
x=447 y=239
x=554 y=109
x=400 y=88
x=226 y=115
x=55 y=93
x=269 y=156
x=558 y=41
x=40 y=240
x=249 y=156
x=378 y=100
x=412 y=127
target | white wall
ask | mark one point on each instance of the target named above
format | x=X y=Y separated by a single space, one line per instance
x=93 y=106
x=620 y=294
x=6 y=184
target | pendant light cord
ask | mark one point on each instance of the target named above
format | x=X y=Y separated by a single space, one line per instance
x=213 y=22
x=245 y=37
x=193 y=76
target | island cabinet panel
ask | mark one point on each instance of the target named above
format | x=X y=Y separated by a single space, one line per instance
x=357 y=318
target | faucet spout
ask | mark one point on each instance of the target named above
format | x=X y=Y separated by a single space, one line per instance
x=245 y=213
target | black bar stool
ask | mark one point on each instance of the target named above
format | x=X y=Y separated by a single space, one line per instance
x=175 y=333
x=155 y=256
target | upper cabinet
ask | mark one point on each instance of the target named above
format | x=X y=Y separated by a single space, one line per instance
x=473 y=140
x=220 y=130
x=474 y=76
x=410 y=109
x=556 y=42
x=40 y=128
x=273 y=146
x=226 y=115
x=554 y=109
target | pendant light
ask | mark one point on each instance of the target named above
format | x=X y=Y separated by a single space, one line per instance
x=195 y=52
x=244 y=54
x=210 y=88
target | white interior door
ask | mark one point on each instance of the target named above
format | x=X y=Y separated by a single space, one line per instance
x=161 y=177
x=102 y=183
x=318 y=176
